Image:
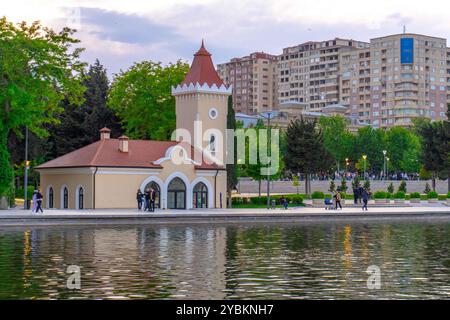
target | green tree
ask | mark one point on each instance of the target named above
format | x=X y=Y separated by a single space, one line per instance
x=232 y=168
x=141 y=97
x=343 y=185
x=402 y=186
x=295 y=181
x=403 y=148
x=370 y=142
x=305 y=150
x=255 y=170
x=80 y=125
x=390 y=188
x=99 y=114
x=367 y=185
x=337 y=138
x=434 y=138
x=332 y=187
x=38 y=69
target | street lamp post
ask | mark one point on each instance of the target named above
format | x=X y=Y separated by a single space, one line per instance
x=346 y=167
x=25 y=180
x=364 y=158
x=387 y=167
x=384 y=164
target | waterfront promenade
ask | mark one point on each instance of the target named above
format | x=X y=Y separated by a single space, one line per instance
x=425 y=211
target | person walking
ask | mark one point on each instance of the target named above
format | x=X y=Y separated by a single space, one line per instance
x=365 y=198
x=338 y=199
x=139 y=199
x=355 y=194
x=147 y=200
x=34 y=200
x=360 y=191
x=39 y=202
x=152 y=200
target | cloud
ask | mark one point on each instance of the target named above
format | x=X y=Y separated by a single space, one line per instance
x=126 y=28
x=122 y=32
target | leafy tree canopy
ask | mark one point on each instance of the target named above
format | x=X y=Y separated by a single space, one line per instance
x=141 y=97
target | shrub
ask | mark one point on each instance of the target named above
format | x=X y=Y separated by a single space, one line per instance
x=432 y=195
x=400 y=195
x=318 y=195
x=380 y=195
x=343 y=186
x=367 y=184
x=332 y=187
x=448 y=195
x=390 y=188
x=415 y=195
x=427 y=188
x=402 y=186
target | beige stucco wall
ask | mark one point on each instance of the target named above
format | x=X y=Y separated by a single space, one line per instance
x=193 y=104
x=116 y=188
x=72 y=178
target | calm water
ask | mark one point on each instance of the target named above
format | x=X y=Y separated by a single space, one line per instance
x=277 y=261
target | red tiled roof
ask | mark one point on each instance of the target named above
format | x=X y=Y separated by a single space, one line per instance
x=106 y=153
x=202 y=70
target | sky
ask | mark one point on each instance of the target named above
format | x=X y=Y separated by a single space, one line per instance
x=121 y=32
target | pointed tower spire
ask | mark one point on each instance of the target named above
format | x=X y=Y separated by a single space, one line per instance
x=202 y=69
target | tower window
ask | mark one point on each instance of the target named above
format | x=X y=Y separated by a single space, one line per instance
x=213 y=113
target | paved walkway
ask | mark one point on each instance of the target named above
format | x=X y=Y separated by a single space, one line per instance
x=19 y=217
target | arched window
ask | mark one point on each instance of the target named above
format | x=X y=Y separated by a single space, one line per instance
x=80 y=198
x=212 y=145
x=176 y=194
x=50 y=198
x=65 y=198
x=153 y=185
x=200 y=196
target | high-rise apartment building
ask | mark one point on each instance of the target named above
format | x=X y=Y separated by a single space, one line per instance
x=400 y=77
x=253 y=78
x=309 y=73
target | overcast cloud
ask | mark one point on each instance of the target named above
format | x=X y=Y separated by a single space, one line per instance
x=122 y=32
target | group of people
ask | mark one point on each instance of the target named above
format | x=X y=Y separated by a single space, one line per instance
x=361 y=194
x=37 y=202
x=283 y=201
x=146 y=201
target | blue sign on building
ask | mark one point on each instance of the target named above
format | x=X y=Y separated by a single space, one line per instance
x=407 y=50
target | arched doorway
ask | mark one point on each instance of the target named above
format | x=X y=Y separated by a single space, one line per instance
x=200 y=196
x=157 y=189
x=80 y=198
x=65 y=199
x=176 y=194
x=51 y=198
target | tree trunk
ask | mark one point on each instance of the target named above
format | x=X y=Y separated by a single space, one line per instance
x=3 y=203
x=307 y=184
x=230 y=202
x=433 y=182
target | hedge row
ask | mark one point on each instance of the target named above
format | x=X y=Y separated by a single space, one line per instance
x=291 y=198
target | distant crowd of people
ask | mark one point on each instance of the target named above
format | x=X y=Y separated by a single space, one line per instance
x=146 y=201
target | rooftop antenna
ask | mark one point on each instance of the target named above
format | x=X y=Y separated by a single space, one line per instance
x=404 y=29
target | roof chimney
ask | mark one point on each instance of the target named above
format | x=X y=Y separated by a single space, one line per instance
x=105 y=133
x=123 y=144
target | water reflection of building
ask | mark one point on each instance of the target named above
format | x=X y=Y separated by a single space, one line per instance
x=190 y=260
